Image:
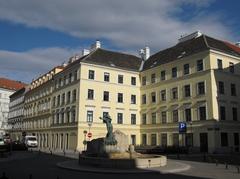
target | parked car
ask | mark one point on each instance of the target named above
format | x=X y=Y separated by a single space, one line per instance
x=30 y=141
x=18 y=145
x=3 y=146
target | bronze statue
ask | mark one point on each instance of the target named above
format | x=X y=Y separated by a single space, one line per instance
x=109 y=139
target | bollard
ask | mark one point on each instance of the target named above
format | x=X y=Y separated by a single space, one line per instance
x=51 y=152
x=149 y=163
x=39 y=151
x=30 y=176
x=216 y=162
x=226 y=165
x=64 y=153
x=57 y=177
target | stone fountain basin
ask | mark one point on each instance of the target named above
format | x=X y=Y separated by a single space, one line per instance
x=142 y=161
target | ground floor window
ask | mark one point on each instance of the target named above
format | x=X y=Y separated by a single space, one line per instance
x=224 y=139
x=133 y=139
x=153 y=139
x=164 y=139
x=189 y=139
x=144 y=139
x=175 y=139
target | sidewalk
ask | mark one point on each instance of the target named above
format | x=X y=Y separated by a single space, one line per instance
x=68 y=153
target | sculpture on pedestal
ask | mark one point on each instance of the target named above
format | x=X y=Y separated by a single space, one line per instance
x=109 y=139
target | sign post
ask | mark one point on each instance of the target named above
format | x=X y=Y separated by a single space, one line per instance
x=182 y=128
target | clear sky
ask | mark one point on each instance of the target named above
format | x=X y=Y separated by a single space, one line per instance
x=37 y=35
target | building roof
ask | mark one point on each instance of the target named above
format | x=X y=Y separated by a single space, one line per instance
x=11 y=84
x=190 y=47
x=113 y=59
x=19 y=92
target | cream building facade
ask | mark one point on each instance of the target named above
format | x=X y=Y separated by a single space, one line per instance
x=195 y=82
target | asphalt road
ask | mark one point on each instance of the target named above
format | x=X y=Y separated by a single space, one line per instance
x=43 y=166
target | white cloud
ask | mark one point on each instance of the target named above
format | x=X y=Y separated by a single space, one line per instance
x=126 y=23
x=28 y=65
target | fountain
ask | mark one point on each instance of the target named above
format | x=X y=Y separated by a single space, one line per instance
x=113 y=151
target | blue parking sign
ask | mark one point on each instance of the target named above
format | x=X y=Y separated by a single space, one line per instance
x=182 y=127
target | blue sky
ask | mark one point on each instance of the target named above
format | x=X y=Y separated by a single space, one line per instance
x=37 y=35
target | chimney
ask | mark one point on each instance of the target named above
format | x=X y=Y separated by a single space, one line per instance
x=237 y=44
x=85 y=52
x=193 y=35
x=145 y=53
x=96 y=45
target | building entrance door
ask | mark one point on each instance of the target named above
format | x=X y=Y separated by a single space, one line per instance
x=203 y=142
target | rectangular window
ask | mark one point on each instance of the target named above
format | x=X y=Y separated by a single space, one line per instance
x=233 y=90
x=144 y=139
x=58 y=100
x=163 y=75
x=74 y=95
x=234 y=114
x=153 y=95
x=188 y=115
x=63 y=98
x=144 y=118
x=133 y=119
x=164 y=139
x=91 y=74
x=153 y=139
x=222 y=113
x=221 y=87
x=120 y=98
x=133 y=99
x=144 y=99
x=105 y=96
x=174 y=72
x=144 y=80
x=68 y=96
x=202 y=113
x=231 y=67
x=133 y=81
x=54 y=101
x=175 y=93
x=219 y=62
x=120 y=118
x=120 y=79
x=90 y=94
x=236 y=139
x=187 y=90
x=186 y=69
x=154 y=118
x=201 y=88
x=89 y=116
x=164 y=117
x=73 y=115
x=200 y=65
x=224 y=139
x=163 y=95
x=153 y=78
x=175 y=139
x=175 y=116
x=106 y=76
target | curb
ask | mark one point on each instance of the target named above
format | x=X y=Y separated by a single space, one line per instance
x=76 y=167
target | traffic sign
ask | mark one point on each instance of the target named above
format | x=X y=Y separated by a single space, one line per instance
x=182 y=127
x=89 y=135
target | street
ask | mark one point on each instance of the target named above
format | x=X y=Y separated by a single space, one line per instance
x=25 y=165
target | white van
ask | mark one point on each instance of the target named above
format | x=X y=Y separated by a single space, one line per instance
x=31 y=141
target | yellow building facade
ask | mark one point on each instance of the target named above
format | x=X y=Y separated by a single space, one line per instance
x=195 y=82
